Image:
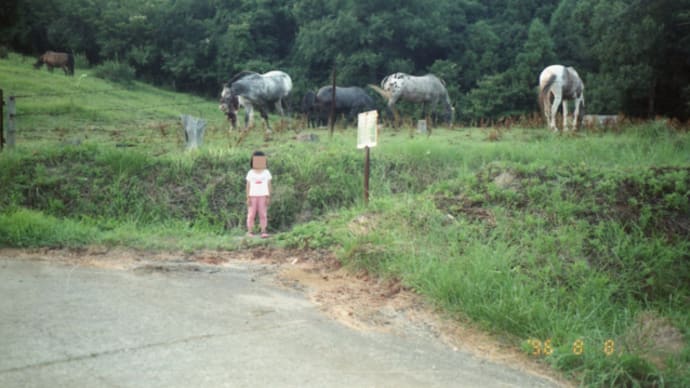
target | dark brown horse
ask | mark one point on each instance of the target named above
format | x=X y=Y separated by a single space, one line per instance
x=52 y=59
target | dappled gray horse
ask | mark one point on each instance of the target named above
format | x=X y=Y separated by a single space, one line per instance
x=428 y=90
x=263 y=91
x=349 y=100
x=230 y=106
x=564 y=84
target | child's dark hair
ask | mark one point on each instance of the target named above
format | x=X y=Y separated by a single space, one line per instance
x=256 y=153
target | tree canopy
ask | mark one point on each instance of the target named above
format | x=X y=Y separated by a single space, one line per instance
x=633 y=55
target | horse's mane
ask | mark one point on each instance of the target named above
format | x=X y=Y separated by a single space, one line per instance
x=383 y=81
x=241 y=74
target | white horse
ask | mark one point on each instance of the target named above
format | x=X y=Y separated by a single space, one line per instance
x=428 y=90
x=564 y=84
x=249 y=89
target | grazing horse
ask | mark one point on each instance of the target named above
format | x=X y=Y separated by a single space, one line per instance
x=564 y=84
x=308 y=109
x=256 y=90
x=230 y=106
x=350 y=101
x=52 y=59
x=427 y=89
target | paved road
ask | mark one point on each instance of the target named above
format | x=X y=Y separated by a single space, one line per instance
x=202 y=326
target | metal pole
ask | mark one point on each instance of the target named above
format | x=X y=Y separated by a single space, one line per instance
x=366 y=175
x=332 y=118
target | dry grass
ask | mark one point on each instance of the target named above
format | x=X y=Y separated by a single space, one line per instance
x=654 y=338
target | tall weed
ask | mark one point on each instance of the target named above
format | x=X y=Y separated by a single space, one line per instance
x=28 y=228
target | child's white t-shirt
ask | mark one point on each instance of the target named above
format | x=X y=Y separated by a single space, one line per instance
x=258 y=182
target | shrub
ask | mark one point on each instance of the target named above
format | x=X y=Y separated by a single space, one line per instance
x=115 y=71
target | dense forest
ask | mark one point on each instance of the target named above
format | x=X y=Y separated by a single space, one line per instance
x=633 y=55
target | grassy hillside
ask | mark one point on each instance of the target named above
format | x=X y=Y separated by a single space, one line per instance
x=576 y=248
x=53 y=107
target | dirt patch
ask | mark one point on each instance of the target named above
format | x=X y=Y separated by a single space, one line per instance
x=358 y=301
x=655 y=338
x=365 y=303
x=459 y=206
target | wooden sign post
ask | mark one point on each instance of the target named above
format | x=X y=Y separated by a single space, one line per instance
x=367 y=137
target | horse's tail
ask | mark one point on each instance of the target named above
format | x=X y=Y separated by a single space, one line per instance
x=544 y=92
x=70 y=63
x=384 y=93
x=450 y=111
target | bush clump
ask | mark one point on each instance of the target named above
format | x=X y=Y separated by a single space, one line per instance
x=115 y=71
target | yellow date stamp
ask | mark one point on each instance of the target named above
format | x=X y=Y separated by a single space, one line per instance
x=578 y=347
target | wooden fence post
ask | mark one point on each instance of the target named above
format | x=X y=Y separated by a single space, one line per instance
x=332 y=115
x=11 y=129
x=366 y=175
x=2 y=120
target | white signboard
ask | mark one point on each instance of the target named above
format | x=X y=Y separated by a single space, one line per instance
x=367 y=133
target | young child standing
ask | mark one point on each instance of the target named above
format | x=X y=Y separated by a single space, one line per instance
x=258 y=193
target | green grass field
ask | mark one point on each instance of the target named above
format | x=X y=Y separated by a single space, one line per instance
x=575 y=248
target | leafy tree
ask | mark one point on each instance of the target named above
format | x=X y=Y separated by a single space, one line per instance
x=537 y=53
x=254 y=35
x=480 y=57
x=632 y=54
x=29 y=32
x=449 y=72
x=370 y=39
x=570 y=27
x=512 y=92
x=628 y=52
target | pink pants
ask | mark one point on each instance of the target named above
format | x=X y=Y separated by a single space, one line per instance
x=257 y=204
